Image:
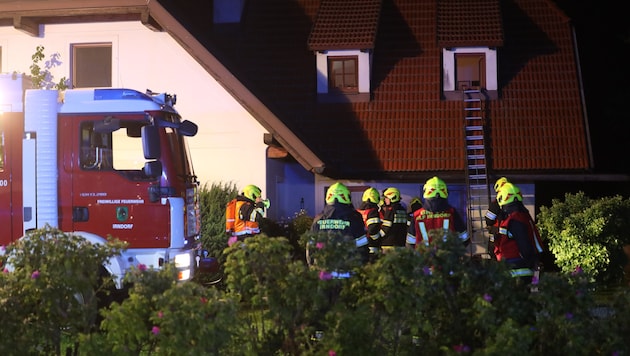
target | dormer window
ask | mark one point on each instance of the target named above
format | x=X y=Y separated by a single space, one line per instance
x=342 y=39
x=468 y=68
x=343 y=76
x=469 y=36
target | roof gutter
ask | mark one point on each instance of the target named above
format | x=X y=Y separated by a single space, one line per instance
x=242 y=94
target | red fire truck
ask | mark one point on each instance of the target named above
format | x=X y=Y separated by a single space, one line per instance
x=98 y=163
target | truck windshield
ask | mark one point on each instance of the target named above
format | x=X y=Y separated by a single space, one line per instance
x=181 y=153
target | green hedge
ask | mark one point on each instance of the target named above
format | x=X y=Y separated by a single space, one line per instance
x=435 y=301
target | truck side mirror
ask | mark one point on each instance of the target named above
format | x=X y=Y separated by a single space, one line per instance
x=188 y=128
x=151 y=142
x=153 y=169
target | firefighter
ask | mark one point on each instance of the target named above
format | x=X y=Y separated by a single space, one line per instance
x=518 y=242
x=339 y=216
x=493 y=214
x=395 y=220
x=414 y=205
x=369 y=210
x=436 y=213
x=244 y=214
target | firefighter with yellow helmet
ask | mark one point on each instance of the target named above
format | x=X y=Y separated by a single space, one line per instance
x=494 y=214
x=395 y=220
x=244 y=213
x=518 y=242
x=369 y=211
x=436 y=213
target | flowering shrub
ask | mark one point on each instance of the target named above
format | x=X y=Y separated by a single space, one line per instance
x=435 y=300
x=49 y=289
x=164 y=317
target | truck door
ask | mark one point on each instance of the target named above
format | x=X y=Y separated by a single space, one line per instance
x=109 y=190
x=11 y=129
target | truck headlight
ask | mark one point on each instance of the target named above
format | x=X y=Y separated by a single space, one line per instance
x=182 y=260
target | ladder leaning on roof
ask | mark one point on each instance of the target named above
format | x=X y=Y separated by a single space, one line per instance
x=477 y=189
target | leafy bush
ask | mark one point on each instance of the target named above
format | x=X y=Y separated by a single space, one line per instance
x=49 y=289
x=164 y=317
x=213 y=200
x=436 y=300
x=589 y=234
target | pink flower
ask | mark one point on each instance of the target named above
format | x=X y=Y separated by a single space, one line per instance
x=142 y=267
x=35 y=274
x=320 y=245
x=160 y=314
x=332 y=353
x=535 y=280
x=6 y=270
x=568 y=316
x=578 y=270
x=461 y=348
x=487 y=297
x=325 y=276
x=155 y=330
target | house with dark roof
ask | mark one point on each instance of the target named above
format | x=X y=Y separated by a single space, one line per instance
x=393 y=92
x=389 y=92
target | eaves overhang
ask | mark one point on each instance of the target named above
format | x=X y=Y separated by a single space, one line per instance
x=27 y=16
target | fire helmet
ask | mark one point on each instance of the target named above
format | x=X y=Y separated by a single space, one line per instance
x=499 y=183
x=393 y=194
x=508 y=194
x=338 y=192
x=252 y=192
x=434 y=187
x=371 y=195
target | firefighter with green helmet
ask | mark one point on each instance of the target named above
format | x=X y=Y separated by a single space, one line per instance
x=436 y=214
x=369 y=211
x=340 y=217
x=244 y=213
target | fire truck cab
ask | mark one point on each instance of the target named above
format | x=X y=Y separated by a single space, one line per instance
x=99 y=163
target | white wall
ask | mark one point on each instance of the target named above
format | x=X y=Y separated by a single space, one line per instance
x=229 y=145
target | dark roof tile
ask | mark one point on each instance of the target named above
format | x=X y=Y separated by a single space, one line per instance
x=345 y=24
x=407 y=130
x=464 y=23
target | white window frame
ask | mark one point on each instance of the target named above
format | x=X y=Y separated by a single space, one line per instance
x=364 y=60
x=449 y=70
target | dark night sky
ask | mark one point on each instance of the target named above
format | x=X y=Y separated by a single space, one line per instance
x=603 y=35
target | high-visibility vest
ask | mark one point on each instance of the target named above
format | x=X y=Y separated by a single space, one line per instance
x=426 y=221
x=236 y=225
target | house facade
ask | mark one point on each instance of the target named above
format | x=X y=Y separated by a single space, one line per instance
x=112 y=47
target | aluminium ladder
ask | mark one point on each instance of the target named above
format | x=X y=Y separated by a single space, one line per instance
x=477 y=189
